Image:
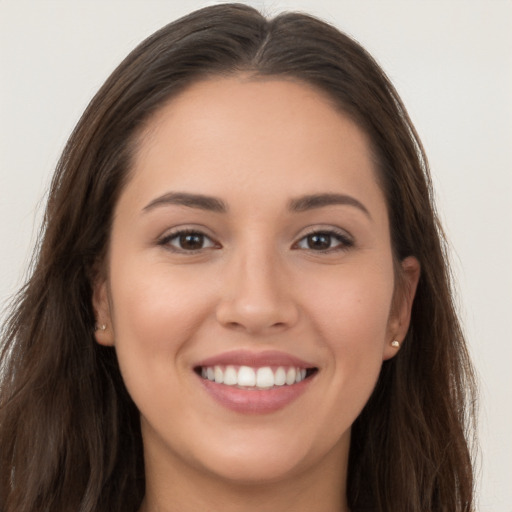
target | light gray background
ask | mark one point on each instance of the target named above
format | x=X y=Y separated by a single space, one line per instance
x=451 y=61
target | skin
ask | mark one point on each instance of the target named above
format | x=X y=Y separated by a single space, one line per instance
x=256 y=283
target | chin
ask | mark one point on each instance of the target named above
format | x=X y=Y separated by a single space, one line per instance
x=252 y=468
x=269 y=459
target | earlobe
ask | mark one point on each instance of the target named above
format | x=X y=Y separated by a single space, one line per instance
x=103 y=330
x=400 y=317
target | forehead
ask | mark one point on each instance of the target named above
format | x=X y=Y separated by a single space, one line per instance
x=248 y=135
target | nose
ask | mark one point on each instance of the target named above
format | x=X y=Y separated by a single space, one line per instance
x=256 y=296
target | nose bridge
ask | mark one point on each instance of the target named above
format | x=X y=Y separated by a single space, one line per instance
x=256 y=297
x=256 y=280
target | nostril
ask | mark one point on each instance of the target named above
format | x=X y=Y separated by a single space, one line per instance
x=234 y=325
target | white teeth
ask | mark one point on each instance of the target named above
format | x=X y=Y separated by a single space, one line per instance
x=246 y=376
x=265 y=377
x=230 y=376
x=290 y=376
x=280 y=377
x=259 y=378
x=300 y=375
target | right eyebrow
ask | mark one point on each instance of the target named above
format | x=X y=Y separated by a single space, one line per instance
x=199 y=201
x=313 y=201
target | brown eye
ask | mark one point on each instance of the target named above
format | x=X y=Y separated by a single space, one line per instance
x=325 y=241
x=187 y=241
x=191 y=241
x=319 y=241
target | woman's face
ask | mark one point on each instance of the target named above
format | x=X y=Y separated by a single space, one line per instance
x=250 y=281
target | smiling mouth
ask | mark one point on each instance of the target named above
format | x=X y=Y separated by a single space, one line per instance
x=255 y=378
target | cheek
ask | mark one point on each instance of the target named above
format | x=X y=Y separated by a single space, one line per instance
x=153 y=305
x=356 y=300
x=351 y=314
x=155 y=312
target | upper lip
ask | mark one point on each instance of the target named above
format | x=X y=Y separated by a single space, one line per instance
x=255 y=359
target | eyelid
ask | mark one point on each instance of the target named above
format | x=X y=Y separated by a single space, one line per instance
x=346 y=240
x=164 y=240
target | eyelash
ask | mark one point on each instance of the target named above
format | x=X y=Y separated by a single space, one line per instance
x=344 y=241
x=177 y=235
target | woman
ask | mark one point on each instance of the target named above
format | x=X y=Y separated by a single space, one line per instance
x=241 y=300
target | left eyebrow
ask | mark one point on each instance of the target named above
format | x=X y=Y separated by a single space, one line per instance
x=198 y=201
x=310 y=202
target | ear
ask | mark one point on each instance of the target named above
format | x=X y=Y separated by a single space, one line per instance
x=103 y=331
x=400 y=317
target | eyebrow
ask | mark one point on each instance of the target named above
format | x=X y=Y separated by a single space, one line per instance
x=199 y=201
x=214 y=204
x=314 y=201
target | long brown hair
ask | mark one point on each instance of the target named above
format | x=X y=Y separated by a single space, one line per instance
x=69 y=433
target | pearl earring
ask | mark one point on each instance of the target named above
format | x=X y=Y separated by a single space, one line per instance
x=101 y=327
x=395 y=344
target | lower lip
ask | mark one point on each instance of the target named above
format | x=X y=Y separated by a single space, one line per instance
x=255 y=401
